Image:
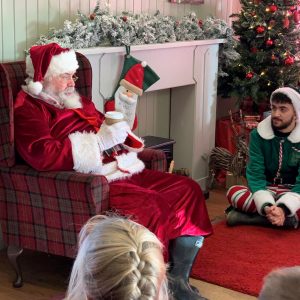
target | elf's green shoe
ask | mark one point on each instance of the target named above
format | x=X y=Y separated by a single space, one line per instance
x=235 y=217
x=291 y=222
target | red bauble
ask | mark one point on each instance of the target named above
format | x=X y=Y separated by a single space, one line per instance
x=273 y=57
x=249 y=75
x=292 y=8
x=254 y=50
x=260 y=29
x=289 y=61
x=296 y=17
x=269 y=42
x=124 y=18
x=273 y=8
x=92 y=16
x=200 y=23
x=286 y=22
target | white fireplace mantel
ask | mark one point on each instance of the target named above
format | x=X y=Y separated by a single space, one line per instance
x=190 y=69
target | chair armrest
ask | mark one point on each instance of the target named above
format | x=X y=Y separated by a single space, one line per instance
x=83 y=188
x=154 y=159
x=53 y=204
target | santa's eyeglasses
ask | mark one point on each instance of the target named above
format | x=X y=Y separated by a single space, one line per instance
x=68 y=77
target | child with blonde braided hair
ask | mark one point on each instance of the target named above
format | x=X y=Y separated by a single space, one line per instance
x=117 y=259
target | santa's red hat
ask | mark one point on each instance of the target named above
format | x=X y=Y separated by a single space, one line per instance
x=48 y=60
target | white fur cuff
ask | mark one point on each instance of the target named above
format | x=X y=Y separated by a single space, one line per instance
x=292 y=201
x=261 y=198
x=86 y=152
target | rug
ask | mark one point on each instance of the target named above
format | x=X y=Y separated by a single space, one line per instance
x=239 y=257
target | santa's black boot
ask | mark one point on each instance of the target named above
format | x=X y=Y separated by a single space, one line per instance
x=183 y=251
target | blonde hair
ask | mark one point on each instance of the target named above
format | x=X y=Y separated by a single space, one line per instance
x=117 y=259
x=280 y=284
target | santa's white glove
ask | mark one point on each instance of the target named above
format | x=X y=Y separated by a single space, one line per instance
x=111 y=135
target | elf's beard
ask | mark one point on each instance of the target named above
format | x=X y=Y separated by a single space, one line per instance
x=282 y=125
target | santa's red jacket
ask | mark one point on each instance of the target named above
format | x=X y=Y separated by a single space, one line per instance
x=51 y=138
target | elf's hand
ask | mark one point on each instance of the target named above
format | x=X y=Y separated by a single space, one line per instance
x=275 y=215
x=111 y=135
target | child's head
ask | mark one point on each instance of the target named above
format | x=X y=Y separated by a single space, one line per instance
x=117 y=259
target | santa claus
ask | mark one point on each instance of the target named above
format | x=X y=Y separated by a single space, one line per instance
x=57 y=129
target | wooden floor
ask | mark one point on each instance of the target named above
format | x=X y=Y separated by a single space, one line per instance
x=46 y=276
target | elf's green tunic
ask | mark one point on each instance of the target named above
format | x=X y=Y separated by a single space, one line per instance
x=267 y=162
x=264 y=162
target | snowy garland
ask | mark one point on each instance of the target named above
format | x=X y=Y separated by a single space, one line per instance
x=103 y=29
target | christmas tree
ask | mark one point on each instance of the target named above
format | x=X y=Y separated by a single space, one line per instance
x=269 y=45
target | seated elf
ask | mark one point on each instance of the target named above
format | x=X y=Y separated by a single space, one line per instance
x=58 y=129
x=273 y=193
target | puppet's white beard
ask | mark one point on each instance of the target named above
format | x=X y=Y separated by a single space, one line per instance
x=124 y=97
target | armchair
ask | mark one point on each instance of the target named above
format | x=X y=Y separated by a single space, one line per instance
x=44 y=211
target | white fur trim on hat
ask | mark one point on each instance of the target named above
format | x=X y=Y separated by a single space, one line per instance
x=65 y=62
x=292 y=95
x=34 y=87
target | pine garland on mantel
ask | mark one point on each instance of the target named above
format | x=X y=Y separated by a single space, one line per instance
x=103 y=29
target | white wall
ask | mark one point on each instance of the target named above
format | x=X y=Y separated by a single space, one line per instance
x=23 y=21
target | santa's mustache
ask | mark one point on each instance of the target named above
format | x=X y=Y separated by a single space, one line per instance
x=69 y=90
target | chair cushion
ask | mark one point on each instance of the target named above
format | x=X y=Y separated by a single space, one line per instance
x=45 y=211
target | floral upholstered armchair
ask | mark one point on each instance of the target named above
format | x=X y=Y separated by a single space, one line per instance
x=44 y=211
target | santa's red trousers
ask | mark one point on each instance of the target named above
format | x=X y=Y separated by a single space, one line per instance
x=168 y=205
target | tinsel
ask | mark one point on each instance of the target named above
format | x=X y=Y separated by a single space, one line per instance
x=104 y=29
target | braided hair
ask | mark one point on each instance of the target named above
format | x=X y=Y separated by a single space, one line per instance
x=117 y=259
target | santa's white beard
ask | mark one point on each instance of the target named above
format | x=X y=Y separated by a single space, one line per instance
x=69 y=98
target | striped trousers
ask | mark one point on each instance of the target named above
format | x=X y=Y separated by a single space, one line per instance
x=241 y=198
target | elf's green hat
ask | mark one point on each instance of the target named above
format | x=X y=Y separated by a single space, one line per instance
x=136 y=75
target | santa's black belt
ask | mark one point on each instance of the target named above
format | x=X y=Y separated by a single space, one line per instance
x=110 y=154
